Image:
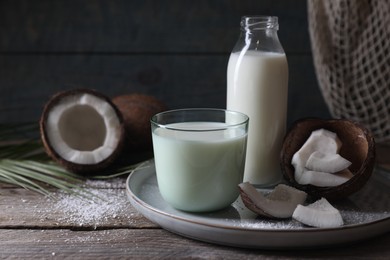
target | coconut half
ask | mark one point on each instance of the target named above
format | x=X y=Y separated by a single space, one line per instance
x=82 y=129
x=358 y=147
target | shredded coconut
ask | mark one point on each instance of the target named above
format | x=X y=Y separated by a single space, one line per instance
x=99 y=206
x=116 y=183
x=105 y=205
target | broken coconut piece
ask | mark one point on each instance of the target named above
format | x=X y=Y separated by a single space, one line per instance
x=320 y=214
x=280 y=203
x=326 y=162
x=319 y=140
x=82 y=130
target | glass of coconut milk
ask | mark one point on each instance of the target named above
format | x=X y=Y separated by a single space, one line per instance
x=199 y=157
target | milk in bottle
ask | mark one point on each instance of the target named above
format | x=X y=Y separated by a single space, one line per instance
x=257 y=79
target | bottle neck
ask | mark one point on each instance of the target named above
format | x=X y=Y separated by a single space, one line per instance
x=259 y=33
x=253 y=24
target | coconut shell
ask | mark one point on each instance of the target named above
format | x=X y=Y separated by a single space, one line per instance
x=84 y=169
x=137 y=110
x=358 y=146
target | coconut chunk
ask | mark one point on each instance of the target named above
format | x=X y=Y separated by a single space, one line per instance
x=327 y=162
x=318 y=214
x=280 y=203
x=317 y=160
x=320 y=140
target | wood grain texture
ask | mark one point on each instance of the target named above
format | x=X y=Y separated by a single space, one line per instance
x=20 y=208
x=32 y=226
x=174 y=50
x=156 y=244
x=28 y=81
x=174 y=26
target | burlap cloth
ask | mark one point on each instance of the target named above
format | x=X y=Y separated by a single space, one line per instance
x=351 y=50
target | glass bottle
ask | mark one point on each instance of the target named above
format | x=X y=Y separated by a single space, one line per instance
x=257 y=85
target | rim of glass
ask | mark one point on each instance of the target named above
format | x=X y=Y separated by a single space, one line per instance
x=245 y=119
x=259 y=22
x=265 y=18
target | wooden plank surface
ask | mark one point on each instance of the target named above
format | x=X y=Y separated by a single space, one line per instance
x=175 y=50
x=156 y=244
x=33 y=227
x=28 y=81
x=109 y=208
x=66 y=226
x=173 y=26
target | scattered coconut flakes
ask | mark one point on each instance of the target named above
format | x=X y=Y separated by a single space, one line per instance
x=68 y=237
x=357 y=217
x=104 y=205
x=115 y=183
x=266 y=224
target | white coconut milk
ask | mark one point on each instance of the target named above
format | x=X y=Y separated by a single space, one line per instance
x=257 y=86
x=196 y=170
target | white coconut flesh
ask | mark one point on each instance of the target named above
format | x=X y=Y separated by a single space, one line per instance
x=327 y=162
x=324 y=179
x=319 y=140
x=83 y=129
x=318 y=214
x=318 y=163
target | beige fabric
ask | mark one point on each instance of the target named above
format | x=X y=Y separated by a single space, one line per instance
x=351 y=50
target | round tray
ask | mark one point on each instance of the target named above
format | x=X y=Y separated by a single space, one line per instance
x=365 y=214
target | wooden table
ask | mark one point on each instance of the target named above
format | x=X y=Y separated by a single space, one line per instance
x=66 y=226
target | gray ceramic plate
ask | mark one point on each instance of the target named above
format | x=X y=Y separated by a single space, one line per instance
x=366 y=214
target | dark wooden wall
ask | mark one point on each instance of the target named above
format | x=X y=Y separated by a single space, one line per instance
x=176 y=50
